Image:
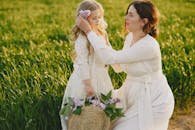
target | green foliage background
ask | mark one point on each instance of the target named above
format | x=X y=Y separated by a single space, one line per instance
x=35 y=55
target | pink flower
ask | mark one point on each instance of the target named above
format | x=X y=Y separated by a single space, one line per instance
x=95 y=102
x=78 y=102
x=85 y=13
x=113 y=101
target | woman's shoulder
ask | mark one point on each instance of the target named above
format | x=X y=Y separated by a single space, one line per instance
x=127 y=40
x=152 y=44
x=152 y=41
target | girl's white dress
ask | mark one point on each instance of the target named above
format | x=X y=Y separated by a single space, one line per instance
x=86 y=66
x=146 y=97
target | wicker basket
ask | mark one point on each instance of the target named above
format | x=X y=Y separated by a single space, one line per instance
x=91 y=118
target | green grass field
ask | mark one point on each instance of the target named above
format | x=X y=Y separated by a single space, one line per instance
x=36 y=45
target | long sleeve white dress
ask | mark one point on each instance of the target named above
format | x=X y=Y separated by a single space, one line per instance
x=146 y=97
x=86 y=66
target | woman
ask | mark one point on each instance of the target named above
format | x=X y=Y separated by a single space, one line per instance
x=84 y=80
x=147 y=98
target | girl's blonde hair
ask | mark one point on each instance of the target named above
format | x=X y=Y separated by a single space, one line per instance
x=91 y=5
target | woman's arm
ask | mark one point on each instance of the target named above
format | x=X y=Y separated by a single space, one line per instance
x=117 y=68
x=143 y=51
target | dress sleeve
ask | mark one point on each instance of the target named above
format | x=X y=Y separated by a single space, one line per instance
x=145 y=50
x=117 y=68
x=82 y=53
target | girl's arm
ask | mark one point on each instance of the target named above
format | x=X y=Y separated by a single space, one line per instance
x=83 y=61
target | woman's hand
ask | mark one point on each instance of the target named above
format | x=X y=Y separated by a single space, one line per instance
x=83 y=24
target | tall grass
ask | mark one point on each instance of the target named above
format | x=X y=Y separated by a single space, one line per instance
x=35 y=55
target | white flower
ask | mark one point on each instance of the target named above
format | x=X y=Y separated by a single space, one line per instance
x=102 y=106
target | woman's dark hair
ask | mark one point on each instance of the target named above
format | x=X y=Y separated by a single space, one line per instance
x=146 y=9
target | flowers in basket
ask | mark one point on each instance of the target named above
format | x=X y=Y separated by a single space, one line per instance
x=103 y=102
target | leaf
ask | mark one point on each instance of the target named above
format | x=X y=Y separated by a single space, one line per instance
x=108 y=111
x=104 y=97
x=87 y=102
x=66 y=111
x=119 y=112
x=62 y=111
x=70 y=101
x=112 y=117
x=78 y=110
x=109 y=95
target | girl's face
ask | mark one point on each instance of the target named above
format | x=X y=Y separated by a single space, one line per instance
x=95 y=18
x=133 y=22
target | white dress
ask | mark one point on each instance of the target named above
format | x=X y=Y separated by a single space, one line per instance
x=86 y=66
x=146 y=97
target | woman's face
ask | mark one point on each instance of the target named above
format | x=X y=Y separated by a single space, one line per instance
x=95 y=18
x=133 y=22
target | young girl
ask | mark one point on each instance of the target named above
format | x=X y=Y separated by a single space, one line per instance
x=90 y=75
